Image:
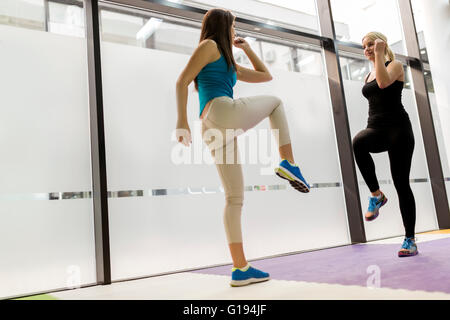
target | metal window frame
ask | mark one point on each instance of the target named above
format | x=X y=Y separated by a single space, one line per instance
x=331 y=47
x=98 y=152
x=341 y=124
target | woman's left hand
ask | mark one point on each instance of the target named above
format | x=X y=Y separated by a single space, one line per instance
x=380 y=46
x=241 y=43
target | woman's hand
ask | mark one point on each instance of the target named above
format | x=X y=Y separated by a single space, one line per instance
x=380 y=46
x=241 y=43
x=183 y=133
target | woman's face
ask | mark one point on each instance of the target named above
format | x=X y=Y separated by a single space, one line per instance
x=369 y=48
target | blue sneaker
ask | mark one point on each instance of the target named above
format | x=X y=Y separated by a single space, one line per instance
x=374 y=206
x=292 y=173
x=247 y=275
x=409 y=248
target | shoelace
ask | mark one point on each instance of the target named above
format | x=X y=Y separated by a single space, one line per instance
x=407 y=243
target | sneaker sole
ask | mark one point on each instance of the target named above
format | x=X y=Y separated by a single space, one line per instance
x=373 y=217
x=402 y=255
x=240 y=283
x=296 y=184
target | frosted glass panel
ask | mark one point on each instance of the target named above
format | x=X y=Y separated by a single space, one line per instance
x=440 y=115
x=44 y=135
x=389 y=223
x=46 y=245
x=23 y=13
x=152 y=234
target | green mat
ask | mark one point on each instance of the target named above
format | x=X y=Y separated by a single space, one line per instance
x=38 y=297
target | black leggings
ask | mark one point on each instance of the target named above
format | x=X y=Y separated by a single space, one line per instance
x=399 y=143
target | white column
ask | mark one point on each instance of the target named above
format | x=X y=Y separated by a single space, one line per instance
x=435 y=20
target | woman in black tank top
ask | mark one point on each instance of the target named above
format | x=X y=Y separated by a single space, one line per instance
x=388 y=129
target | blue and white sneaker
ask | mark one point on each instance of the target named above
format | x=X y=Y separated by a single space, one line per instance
x=247 y=275
x=375 y=204
x=409 y=248
x=292 y=173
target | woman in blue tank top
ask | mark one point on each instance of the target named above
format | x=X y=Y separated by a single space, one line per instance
x=214 y=71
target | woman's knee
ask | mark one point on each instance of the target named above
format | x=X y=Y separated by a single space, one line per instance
x=277 y=102
x=357 y=143
x=234 y=200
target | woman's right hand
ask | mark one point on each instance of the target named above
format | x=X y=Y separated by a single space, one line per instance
x=379 y=46
x=183 y=133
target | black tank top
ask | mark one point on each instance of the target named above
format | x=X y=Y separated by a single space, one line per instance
x=385 y=105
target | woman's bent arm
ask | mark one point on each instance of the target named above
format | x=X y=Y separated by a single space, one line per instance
x=385 y=76
x=260 y=74
x=205 y=53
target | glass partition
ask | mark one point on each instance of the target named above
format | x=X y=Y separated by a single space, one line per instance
x=299 y=15
x=353 y=19
x=431 y=23
x=28 y=14
x=47 y=226
x=67 y=19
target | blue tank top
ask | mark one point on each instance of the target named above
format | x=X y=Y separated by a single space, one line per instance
x=215 y=80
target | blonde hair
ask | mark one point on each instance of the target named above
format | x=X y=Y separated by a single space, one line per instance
x=388 y=54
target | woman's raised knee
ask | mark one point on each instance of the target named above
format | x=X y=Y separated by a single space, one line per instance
x=358 y=143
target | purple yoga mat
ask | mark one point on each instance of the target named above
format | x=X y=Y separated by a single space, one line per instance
x=362 y=264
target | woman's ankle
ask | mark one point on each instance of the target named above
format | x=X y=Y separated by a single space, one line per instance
x=377 y=193
x=240 y=266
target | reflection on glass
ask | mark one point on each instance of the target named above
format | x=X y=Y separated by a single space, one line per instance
x=309 y=61
x=357 y=69
x=121 y=28
x=429 y=81
x=354 y=69
x=174 y=38
x=148 y=32
x=418 y=16
x=355 y=18
x=277 y=56
x=161 y=34
x=300 y=15
x=23 y=13
x=61 y=18
x=66 y=19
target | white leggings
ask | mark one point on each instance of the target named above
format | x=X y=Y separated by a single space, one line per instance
x=239 y=114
